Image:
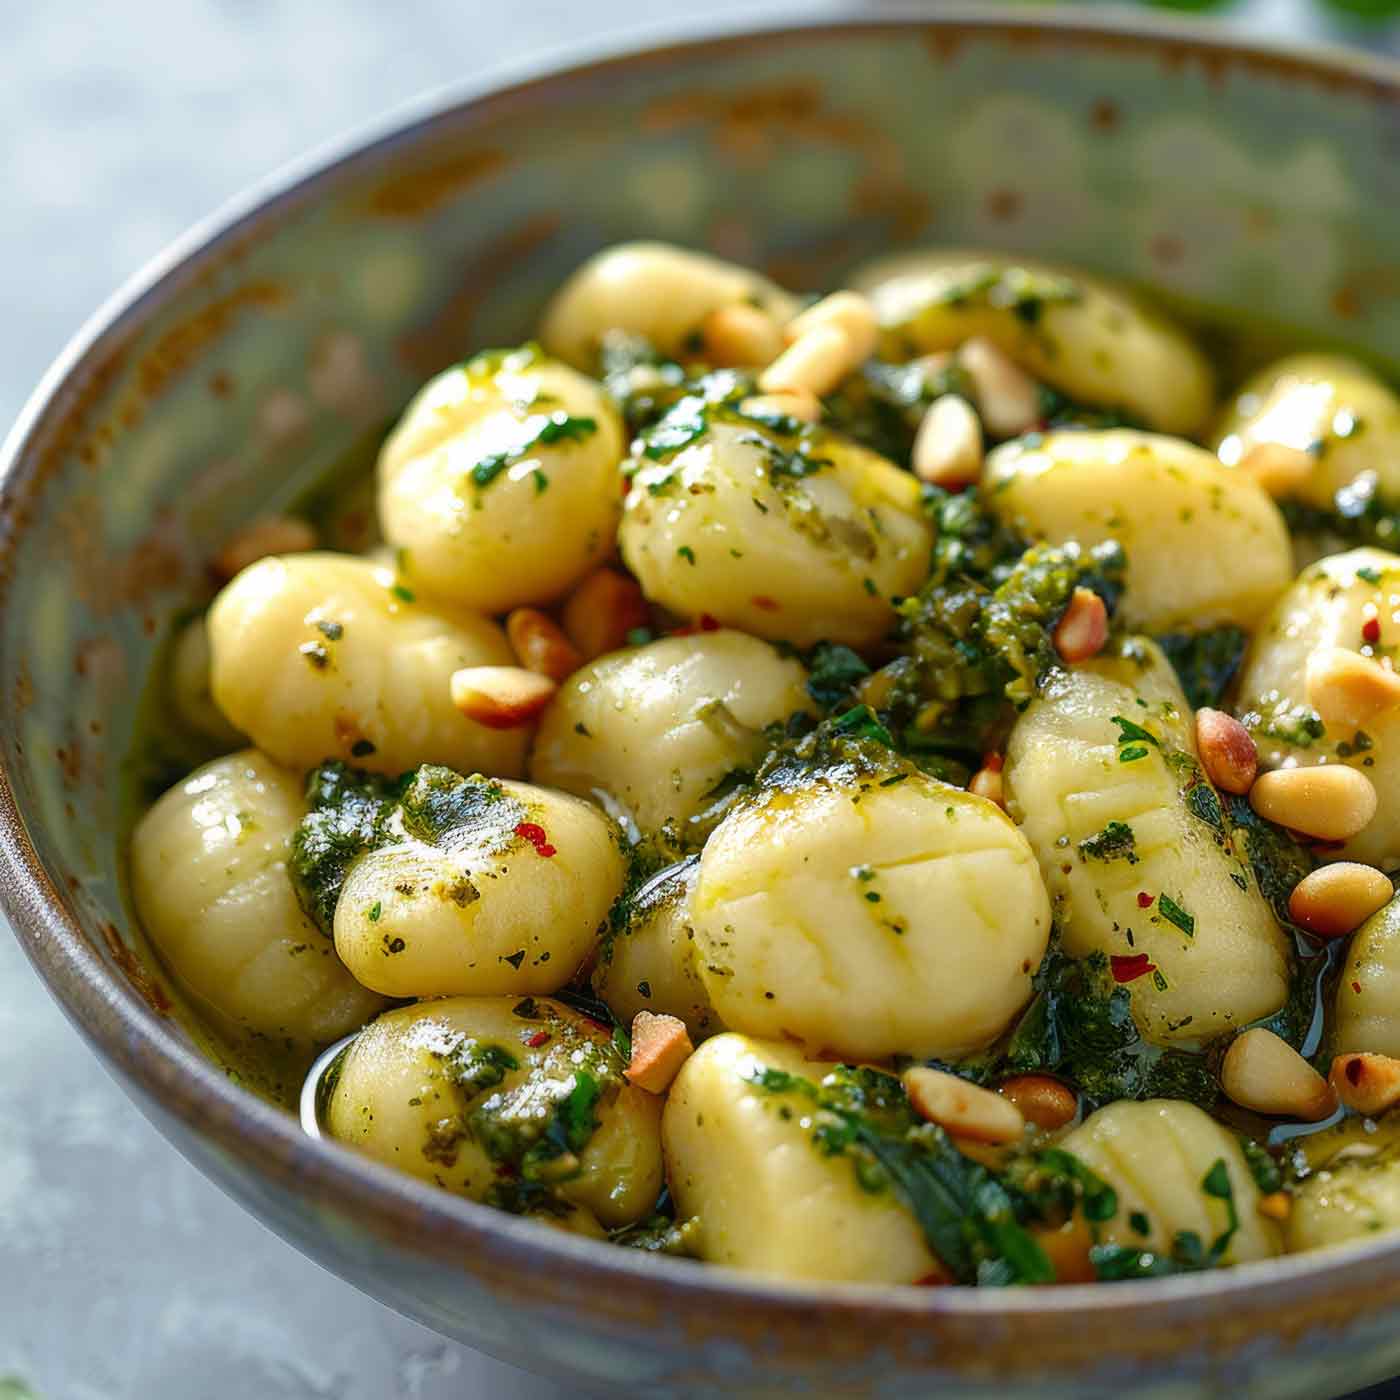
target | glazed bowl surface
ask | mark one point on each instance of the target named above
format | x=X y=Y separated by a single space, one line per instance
x=277 y=341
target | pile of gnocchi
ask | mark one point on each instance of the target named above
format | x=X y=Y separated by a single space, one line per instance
x=898 y=786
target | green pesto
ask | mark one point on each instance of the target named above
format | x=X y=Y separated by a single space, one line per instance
x=1205 y=662
x=1115 y=842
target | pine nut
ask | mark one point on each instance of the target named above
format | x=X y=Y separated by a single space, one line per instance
x=1228 y=752
x=501 y=697
x=801 y=404
x=274 y=534
x=1068 y=1248
x=948 y=446
x=540 y=645
x=1277 y=1205
x=848 y=312
x=1336 y=899
x=817 y=363
x=1329 y=802
x=1349 y=690
x=1281 y=470
x=660 y=1046
x=602 y=610
x=740 y=335
x=1041 y=1100
x=962 y=1108
x=988 y=783
x=1367 y=1084
x=1082 y=631
x=1008 y=399
x=1265 y=1073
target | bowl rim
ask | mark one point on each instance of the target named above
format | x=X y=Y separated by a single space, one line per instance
x=173 y=1074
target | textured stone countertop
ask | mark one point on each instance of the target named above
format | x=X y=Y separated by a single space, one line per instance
x=124 y=1275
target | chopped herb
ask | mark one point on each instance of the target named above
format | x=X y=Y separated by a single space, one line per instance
x=686 y=553
x=375 y=910
x=1205 y=662
x=1127 y=730
x=1115 y=842
x=1174 y=913
x=538 y=430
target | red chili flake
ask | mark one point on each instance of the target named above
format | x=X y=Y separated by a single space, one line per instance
x=1356 y=987
x=708 y=623
x=535 y=835
x=539 y=1038
x=993 y=762
x=1371 y=629
x=1126 y=969
x=930 y=1281
x=1145 y=899
x=767 y=604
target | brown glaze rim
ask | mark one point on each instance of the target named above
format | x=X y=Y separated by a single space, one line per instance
x=614 y=1292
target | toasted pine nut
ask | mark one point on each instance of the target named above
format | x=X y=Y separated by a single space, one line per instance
x=1082 y=631
x=1041 y=1100
x=1335 y=899
x=501 y=697
x=988 y=782
x=740 y=334
x=948 y=446
x=1367 y=1084
x=1277 y=1205
x=1228 y=752
x=1349 y=690
x=660 y=1046
x=961 y=1107
x=850 y=312
x=1265 y=1073
x=817 y=362
x=1329 y=802
x=602 y=610
x=274 y=534
x=1281 y=470
x=1008 y=399
x=540 y=645
x=801 y=404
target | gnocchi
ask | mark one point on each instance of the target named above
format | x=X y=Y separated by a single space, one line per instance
x=1367 y=1012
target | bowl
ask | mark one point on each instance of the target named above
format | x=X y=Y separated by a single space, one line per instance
x=276 y=340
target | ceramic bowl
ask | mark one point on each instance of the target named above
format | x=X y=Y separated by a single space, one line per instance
x=277 y=338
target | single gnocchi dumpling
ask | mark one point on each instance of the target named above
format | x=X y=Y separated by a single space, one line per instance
x=742 y=1162
x=499 y=487
x=1205 y=545
x=190 y=694
x=1300 y=717
x=209 y=880
x=653 y=290
x=1352 y=1187
x=319 y=656
x=797 y=536
x=495 y=888
x=1163 y=1158
x=1091 y=340
x=652 y=730
x=1367 y=1013
x=868 y=914
x=521 y=1104
x=1137 y=849
x=1335 y=418
x=649 y=963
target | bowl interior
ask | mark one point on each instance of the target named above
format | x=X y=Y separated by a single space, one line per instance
x=1254 y=187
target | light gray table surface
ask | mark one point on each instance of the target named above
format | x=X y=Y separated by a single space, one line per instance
x=124 y=1275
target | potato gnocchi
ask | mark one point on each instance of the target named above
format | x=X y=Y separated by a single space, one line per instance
x=957 y=842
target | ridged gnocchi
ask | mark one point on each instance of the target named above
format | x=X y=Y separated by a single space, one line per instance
x=1367 y=1011
x=654 y=729
x=1156 y=1156
x=796 y=537
x=499 y=487
x=741 y=1162
x=1136 y=848
x=650 y=962
x=1327 y=407
x=518 y=1103
x=320 y=656
x=869 y=889
x=496 y=888
x=210 y=884
x=1205 y=545
x=1350 y=601
x=654 y=290
x=1091 y=340
x=1352 y=1187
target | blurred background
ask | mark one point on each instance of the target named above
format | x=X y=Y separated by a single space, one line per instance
x=124 y=1275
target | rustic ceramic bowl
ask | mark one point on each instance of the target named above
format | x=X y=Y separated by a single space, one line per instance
x=272 y=340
